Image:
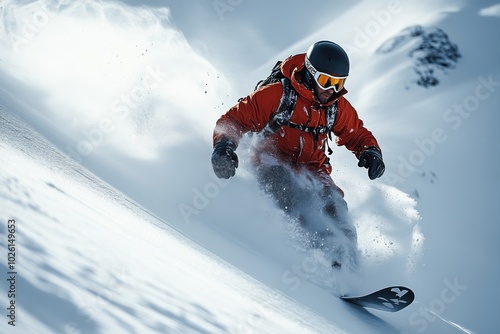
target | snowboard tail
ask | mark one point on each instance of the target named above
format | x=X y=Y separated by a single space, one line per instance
x=390 y=299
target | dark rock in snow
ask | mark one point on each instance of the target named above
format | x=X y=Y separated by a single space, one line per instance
x=431 y=50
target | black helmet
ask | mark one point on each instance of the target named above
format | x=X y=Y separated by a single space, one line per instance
x=328 y=57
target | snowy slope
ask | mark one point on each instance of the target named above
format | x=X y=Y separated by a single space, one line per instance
x=125 y=94
x=90 y=260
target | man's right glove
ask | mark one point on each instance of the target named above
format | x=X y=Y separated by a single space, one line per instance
x=224 y=159
x=371 y=158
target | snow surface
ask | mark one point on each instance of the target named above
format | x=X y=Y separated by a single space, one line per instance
x=106 y=115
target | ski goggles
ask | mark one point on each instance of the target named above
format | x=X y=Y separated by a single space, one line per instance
x=326 y=81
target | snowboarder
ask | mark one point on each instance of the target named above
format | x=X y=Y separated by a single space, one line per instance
x=290 y=160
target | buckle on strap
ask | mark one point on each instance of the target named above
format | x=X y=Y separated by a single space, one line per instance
x=314 y=131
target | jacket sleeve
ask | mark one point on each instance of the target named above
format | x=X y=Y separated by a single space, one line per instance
x=350 y=131
x=250 y=114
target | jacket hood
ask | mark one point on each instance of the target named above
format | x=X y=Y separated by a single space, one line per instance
x=292 y=68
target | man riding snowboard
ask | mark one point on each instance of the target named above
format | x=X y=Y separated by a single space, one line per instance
x=295 y=116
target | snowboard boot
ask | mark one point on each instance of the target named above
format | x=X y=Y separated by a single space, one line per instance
x=343 y=257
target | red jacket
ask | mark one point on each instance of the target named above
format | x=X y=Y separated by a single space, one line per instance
x=289 y=144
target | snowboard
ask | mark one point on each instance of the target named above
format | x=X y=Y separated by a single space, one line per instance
x=390 y=299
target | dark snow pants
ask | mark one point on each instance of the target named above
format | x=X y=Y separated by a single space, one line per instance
x=303 y=195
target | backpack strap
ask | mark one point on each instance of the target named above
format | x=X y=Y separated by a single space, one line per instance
x=285 y=108
x=331 y=115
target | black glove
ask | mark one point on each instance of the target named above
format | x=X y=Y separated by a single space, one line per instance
x=371 y=158
x=224 y=160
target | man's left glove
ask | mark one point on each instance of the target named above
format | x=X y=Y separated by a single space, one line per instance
x=371 y=159
x=224 y=159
